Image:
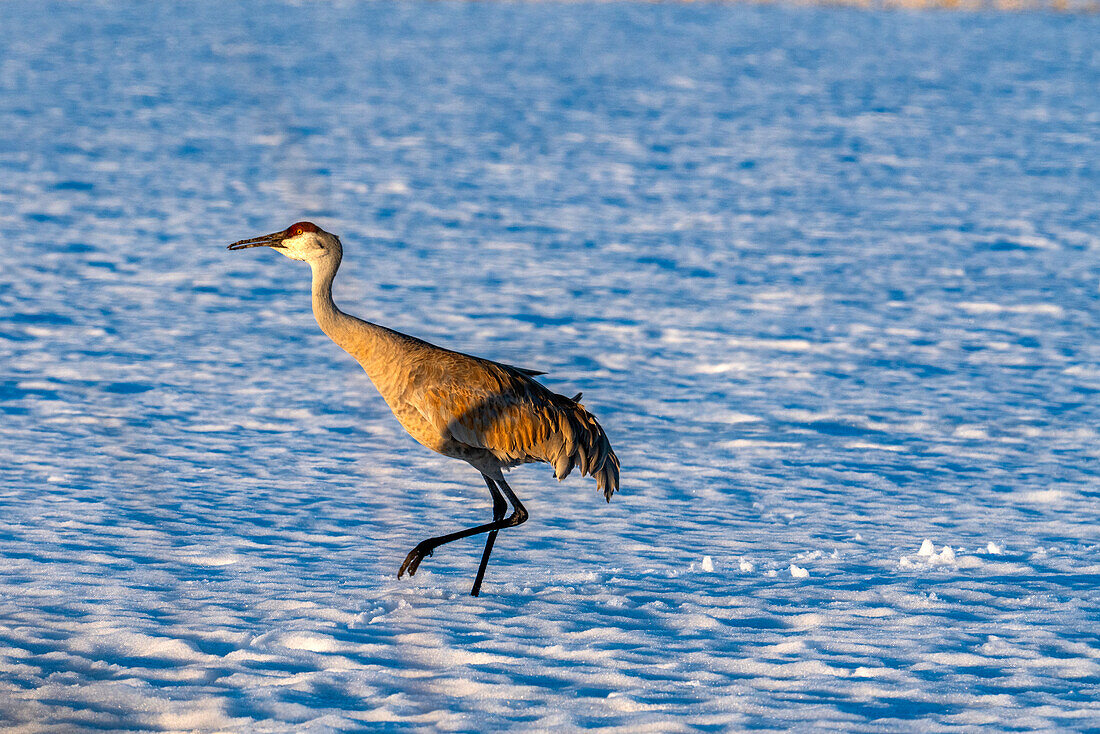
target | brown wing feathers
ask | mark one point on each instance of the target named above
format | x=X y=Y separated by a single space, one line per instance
x=581 y=442
x=519 y=421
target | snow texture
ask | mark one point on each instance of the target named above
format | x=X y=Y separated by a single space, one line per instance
x=830 y=278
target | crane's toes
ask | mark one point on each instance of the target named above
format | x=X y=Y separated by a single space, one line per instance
x=412 y=561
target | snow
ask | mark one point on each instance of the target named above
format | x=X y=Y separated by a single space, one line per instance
x=830 y=278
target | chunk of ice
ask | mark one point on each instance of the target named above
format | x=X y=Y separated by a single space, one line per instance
x=746 y=567
x=708 y=564
x=993 y=548
x=798 y=572
x=926 y=548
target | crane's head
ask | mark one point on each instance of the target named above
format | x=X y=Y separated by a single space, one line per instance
x=300 y=241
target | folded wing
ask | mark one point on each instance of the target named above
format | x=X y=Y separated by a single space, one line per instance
x=520 y=421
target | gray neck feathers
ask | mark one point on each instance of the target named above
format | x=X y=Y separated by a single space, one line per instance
x=361 y=339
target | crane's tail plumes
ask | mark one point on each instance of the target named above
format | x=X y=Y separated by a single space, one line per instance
x=580 y=441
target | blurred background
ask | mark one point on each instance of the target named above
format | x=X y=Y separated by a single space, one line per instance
x=829 y=276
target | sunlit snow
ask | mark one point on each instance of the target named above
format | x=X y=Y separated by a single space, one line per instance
x=830 y=279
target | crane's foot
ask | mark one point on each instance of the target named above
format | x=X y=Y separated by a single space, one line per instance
x=416 y=555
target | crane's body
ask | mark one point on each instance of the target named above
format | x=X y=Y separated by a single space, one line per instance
x=490 y=415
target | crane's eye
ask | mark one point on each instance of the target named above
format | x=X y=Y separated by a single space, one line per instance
x=295 y=232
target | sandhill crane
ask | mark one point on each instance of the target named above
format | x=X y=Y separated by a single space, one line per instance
x=491 y=415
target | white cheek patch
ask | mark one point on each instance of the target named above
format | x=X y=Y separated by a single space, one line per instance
x=290 y=252
x=295 y=248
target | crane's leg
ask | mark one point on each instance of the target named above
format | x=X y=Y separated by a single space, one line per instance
x=425 y=547
x=499 y=506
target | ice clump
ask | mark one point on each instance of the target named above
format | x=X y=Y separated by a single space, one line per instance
x=798 y=572
x=708 y=564
x=927 y=556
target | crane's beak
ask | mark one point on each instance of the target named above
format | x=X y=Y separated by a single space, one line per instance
x=268 y=240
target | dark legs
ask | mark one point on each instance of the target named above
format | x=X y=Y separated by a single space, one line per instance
x=499 y=506
x=519 y=514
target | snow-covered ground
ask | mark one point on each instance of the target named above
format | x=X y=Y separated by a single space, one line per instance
x=829 y=278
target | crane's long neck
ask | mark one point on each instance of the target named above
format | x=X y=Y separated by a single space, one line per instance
x=363 y=340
